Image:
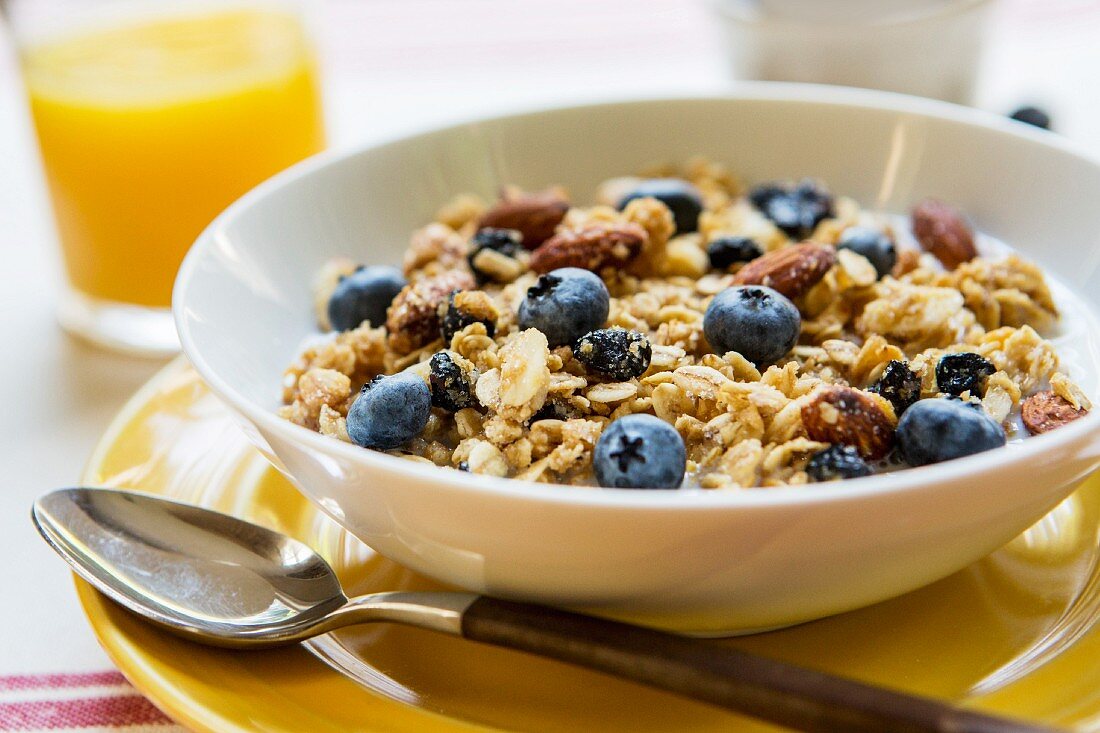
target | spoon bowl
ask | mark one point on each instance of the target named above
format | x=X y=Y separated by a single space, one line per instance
x=209 y=576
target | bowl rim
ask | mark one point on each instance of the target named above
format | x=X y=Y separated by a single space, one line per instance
x=691 y=499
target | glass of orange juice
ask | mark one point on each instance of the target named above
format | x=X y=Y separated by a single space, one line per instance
x=151 y=118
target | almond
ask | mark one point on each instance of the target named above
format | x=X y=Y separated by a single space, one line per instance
x=534 y=215
x=413 y=319
x=591 y=247
x=942 y=230
x=790 y=270
x=1045 y=411
x=844 y=415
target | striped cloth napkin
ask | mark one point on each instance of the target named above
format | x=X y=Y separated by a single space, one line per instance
x=78 y=702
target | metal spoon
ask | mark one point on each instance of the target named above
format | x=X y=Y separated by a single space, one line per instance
x=219 y=580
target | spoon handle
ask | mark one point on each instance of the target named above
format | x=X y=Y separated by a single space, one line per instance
x=771 y=690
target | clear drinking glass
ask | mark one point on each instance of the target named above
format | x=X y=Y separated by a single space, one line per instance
x=151 y=118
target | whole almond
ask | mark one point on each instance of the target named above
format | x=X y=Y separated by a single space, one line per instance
x=942 y=230
x=413 y=319
x=591 y=247
x=535 y=215
x=790 y=270
x=1045 y=411
x=837 y=414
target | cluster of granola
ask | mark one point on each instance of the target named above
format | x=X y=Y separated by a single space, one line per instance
x=536 y=412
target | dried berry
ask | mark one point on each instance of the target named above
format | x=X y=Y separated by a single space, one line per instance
x=899 y=384
x=503 y=242
x=837 y=462
x=963 y=372
x=464 y=307
x=614 y=352
x=554 y=409
x=796 y=210
x=726 y=251
x=452 y=384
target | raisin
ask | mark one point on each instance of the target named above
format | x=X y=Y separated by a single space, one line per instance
x=726 y=251
x=796 y=210
x=837 y=462
x=963 y=372
x=464 y=307
x=556 y=410
x=614 y=352
x=899 y=384
x=452 y=386
x=507 y=242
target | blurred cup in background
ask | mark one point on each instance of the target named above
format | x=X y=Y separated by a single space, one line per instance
x=930 y=48
x=151 y=118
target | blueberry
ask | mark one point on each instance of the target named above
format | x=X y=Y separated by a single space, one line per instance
x=507 y=242
x=938 y=430
x=963 y=372
x=726 y=251
x=878 y=248
x=614 y=352
x=565 y=304
x=389 y=411
x=465 y=307
x=837 y=461
x=452 y=385
x=755 y=321
x=899 y=384
x=796 y=210
x=640 y=452
x=1032 y=116
x=364 y=295
x=682 y=199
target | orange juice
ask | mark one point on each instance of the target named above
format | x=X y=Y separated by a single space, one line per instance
x=148 y=130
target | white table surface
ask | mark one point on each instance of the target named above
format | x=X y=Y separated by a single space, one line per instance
x=389 y=64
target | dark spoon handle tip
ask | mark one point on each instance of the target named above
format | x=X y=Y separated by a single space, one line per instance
x=799 y=698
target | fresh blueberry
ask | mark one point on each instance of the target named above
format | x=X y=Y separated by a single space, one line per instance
x=640 y=452
x=565 y=304
x=389 y=411
x=507 y=242
x=796 y=210
x=878 y=248
x=938 y=430
x=682 y=199
x=452 y=385
x=614 y=352
x=364 y=295
x=963 y=372
x=726 y=251
x=899 y=384
x=1032 y=116
x=837 y=461
x=755 y=321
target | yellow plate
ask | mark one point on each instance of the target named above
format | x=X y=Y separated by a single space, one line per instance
x=1016 y=633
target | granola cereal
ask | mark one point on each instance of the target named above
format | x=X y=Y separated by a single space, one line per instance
x=510 y=405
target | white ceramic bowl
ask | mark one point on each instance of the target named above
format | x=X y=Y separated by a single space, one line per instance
x=703 y=562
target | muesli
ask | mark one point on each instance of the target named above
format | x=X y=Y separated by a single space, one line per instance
x=684 y=330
